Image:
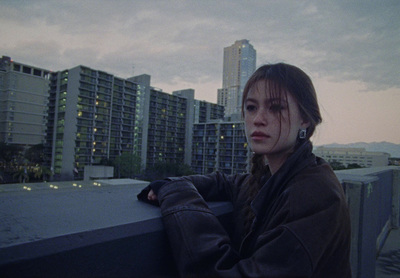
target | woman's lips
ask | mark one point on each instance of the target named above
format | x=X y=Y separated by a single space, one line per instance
x=258 y=135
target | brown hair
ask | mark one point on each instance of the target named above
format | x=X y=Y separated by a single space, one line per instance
x=283 y=78
x=280 y=78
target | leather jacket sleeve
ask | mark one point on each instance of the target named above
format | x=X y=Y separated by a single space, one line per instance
x=216 y=186
x=202 y=248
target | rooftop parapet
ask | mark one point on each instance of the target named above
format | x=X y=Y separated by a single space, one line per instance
x=98 y=228
x=88 y=229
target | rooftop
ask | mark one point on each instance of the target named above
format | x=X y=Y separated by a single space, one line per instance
x=52 y=228
x=99 y=228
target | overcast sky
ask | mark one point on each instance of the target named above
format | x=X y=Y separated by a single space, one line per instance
x=351 y=49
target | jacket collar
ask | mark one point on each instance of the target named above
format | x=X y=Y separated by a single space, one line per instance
x=276 y=184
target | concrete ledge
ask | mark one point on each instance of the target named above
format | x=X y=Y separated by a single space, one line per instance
x=84 y=229
x=91 y=172
x=98 y=228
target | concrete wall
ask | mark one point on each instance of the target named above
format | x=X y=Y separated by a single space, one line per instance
x=97 y=172
x=84 y=229
x=373 y=198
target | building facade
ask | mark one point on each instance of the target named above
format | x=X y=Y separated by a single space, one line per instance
x=348 y=156
x=238 y=65
x=168 y=127
x=93 y=116
x=205 y=111
x=23 y=103
x=220 y=146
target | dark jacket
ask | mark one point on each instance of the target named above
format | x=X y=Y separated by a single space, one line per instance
x=301 y=229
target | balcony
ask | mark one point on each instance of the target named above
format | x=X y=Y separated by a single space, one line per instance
x=98 y=228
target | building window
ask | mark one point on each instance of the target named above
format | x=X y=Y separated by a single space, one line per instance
x=17 y=67
x=37 y=72
x=26 y=70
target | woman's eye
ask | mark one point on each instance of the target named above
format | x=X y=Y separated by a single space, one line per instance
x=251 y=108
x=276 y=108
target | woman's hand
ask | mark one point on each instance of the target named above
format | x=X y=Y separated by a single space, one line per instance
x=152 y=196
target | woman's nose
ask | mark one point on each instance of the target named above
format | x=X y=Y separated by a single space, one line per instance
x=260 y=117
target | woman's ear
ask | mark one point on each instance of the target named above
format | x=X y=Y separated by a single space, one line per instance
x=305 y=124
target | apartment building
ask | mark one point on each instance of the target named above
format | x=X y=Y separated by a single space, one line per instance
x=358 y=156
x=220 y=146
x=23 y=103
x=169 y=123
x=205 y=111
x=96 y=116
x=93 y=116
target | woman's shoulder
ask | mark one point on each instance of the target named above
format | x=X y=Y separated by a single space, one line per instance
x=316 y=186
x=318 y=174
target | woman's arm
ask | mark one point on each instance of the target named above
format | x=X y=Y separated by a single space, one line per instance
x=202 y=248
x=212 y=187
x=217 y=186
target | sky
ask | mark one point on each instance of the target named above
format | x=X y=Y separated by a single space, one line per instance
x=350 y=49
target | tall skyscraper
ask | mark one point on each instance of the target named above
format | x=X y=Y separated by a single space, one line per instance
x=239 y=65
x=23 y=103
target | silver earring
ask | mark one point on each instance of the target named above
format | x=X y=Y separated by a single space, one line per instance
x=302 y=133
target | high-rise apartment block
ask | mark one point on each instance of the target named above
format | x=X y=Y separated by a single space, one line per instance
x=239 y=65
x=94 y=115
x=170 y=119
x=87 y=117
x=220 y=146
x=23 y=103
x=205 y=111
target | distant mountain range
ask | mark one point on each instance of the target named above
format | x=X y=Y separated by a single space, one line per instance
x=391 y=148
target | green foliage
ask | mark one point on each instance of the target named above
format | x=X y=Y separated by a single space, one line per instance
x=127 y=165
x=336 y=165
x=106 y=162
x=42 y=172
x=354 y=166
x=35 y=154
x=9 y=152
x=21 y=175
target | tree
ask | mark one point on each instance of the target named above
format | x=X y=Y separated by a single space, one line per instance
x=354 y=166
x=42 y=172
x=127 y=165
x=9 y=152
x=336 y=165
x=21 y=175
x=35 y=154
x=162 y=170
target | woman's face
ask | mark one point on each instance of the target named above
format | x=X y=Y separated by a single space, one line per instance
x=272 y=124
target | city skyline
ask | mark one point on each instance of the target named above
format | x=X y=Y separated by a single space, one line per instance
x=350 y=50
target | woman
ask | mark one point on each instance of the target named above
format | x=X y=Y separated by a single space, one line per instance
x=290 y=213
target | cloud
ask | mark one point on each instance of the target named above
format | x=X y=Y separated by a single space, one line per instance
x=183 y=41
